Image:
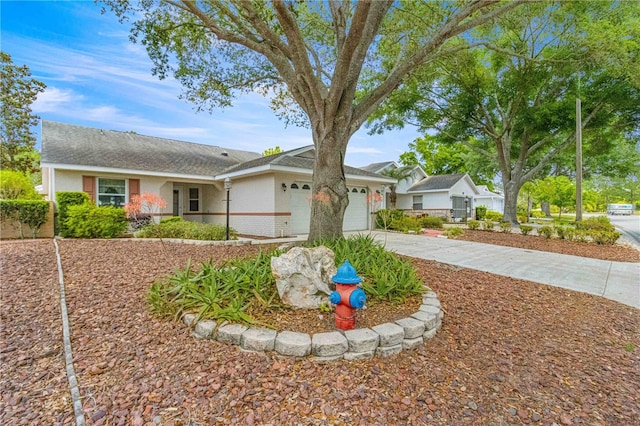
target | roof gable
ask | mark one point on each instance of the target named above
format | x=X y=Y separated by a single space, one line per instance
x=436 y=183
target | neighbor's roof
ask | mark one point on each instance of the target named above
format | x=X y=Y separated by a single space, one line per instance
x=435 y=183
x=67 y=144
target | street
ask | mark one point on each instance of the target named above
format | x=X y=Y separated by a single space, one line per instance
x=629 y=226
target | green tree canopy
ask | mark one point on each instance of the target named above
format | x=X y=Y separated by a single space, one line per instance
x=513 y=102
x=17 y=92
x=272 y=151
x=326 y=64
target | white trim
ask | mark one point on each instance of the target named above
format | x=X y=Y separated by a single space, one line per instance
x=297 y=170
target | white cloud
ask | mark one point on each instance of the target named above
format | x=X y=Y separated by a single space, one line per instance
x=53 y=99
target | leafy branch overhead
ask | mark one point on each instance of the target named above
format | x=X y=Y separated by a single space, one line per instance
x=327 y=65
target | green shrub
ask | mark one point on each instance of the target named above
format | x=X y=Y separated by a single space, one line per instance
x=505 y=227
x=581 y=235
x=525 y=229
x=546 y=231
x=523 y=219
x=598 y=223
x=89 y=221
x=538 y=214
x=569 y=233
x=473 y=224
x=494 y=216
x=453 y=232
x=171 y=219
x=560 y=231
x=431 y=222
x=488 y=225
x=604 y=237
x=16 y=186
x=183 y=229
x=384 y=217
x=385 y=276
x=481 y=212
x=405 y=224
x=65 y=200
x=32 y=213
x=239 y=290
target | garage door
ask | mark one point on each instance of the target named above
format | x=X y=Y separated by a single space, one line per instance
x=355 y=218
x=300 y=207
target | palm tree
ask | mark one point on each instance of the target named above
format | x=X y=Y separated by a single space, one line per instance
x=399 y=174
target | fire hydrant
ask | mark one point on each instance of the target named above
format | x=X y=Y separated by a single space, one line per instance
x=348 y=296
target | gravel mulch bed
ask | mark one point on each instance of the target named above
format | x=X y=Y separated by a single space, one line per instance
x=509 y=352
x=616 y=253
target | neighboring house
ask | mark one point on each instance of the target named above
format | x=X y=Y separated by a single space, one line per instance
x=491 y=200
x=269 y=196
x=451 y=196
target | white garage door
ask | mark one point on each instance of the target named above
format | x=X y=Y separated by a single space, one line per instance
x=355 y=218
x=300 y=207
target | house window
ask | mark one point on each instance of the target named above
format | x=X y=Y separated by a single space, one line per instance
x=111 y=192
x=194 y=199
x=417 y=202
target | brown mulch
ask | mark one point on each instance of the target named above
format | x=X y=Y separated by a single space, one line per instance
x=617 y=252
x=509 y=352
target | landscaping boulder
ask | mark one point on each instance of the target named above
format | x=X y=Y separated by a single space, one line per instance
x=303 y=276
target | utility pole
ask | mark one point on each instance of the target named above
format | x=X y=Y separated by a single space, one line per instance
x=578 y=156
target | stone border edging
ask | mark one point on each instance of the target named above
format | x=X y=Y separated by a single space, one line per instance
x=364 y=343
x=66 y=340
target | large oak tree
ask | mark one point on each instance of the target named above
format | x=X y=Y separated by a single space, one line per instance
x=326 y=64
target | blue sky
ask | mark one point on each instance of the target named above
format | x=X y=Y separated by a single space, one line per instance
x=96 y=77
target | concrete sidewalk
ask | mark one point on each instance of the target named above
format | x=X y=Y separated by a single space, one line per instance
x=617 y=281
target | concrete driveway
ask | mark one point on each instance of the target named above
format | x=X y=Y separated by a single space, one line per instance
x=617 y=281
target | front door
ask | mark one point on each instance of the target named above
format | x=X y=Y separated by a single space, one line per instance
x=177 y=202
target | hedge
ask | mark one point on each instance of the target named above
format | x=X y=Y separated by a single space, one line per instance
x=32 y=213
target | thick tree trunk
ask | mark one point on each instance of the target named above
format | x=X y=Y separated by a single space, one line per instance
x=511 y=190
x=329 y=198
x=546 y=208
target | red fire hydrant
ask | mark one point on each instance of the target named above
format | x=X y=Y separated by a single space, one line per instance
x=348 y=296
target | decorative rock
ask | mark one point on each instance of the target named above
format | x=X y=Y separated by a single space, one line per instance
x=429 y=334
x=431 y=302
x=429 y=320
x=430 y=309
x=386 y=351
x=412 y=327
x=291 y=343
x=362 y=340
x=188 y=319
x=390 y=334
x=354 y=356
x=412 y=343
x=329 y=344
x=231 y=333
x=258 y=339
x=430 y=294
x=324 y=359
x=303 y=276
x=204 y=329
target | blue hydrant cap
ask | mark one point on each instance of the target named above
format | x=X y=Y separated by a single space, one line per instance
x=357 y=298
x=346 y=274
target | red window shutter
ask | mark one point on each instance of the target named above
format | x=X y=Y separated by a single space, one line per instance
x=89 y=186
x=134 y=187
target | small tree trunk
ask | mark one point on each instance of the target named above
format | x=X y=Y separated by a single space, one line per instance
x=546 y=208
x=329 y=194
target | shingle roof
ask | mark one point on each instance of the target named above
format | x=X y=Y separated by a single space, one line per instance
x=434 y=183
x=77 y=145
x=376 y=167
x=289 y=159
